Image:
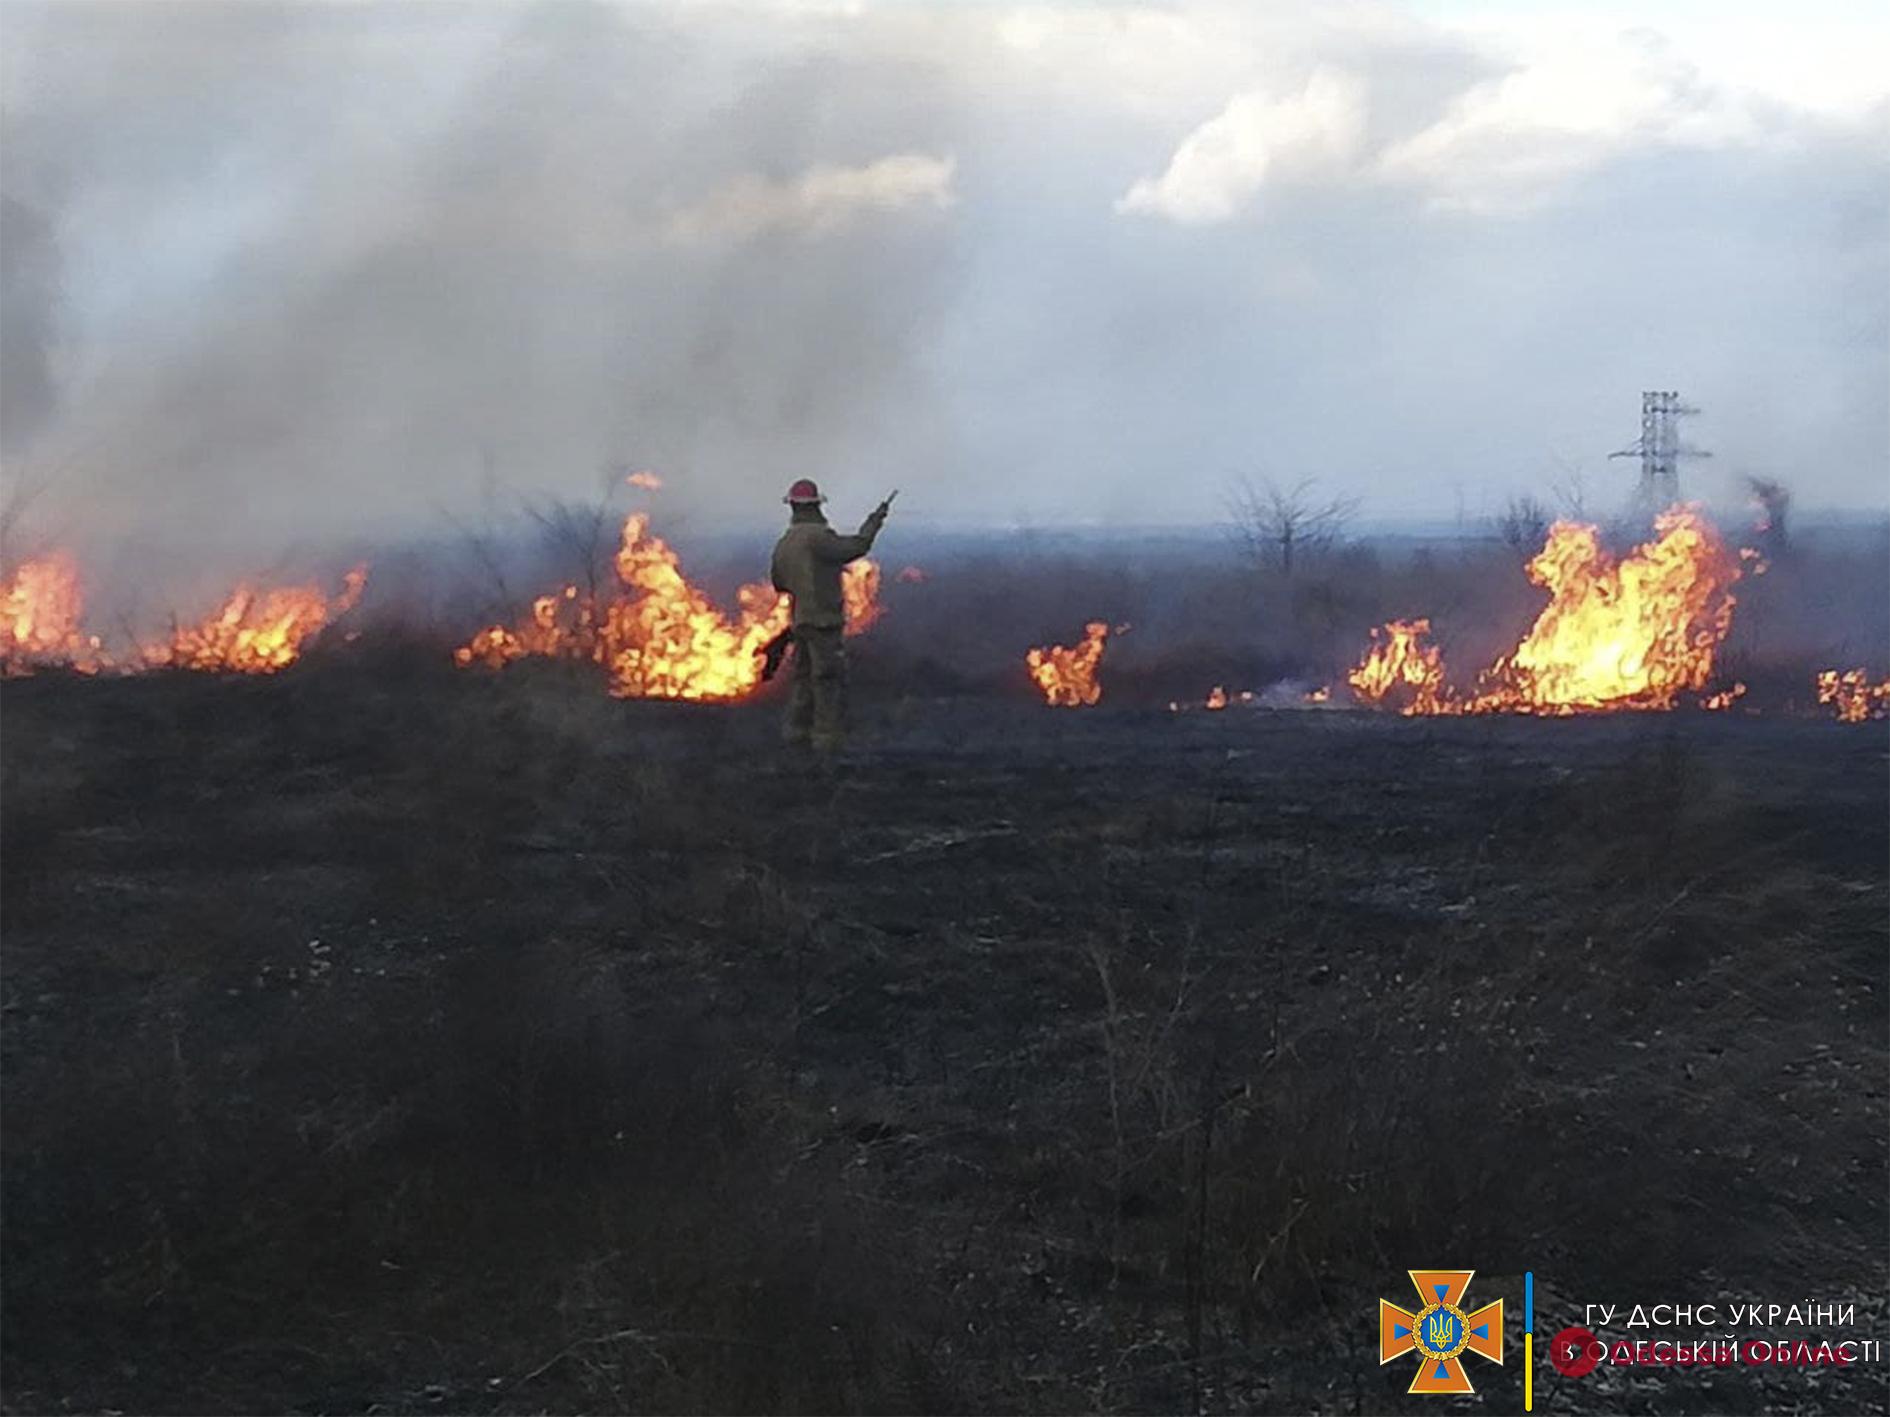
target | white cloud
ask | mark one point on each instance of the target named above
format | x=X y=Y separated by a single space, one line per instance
x=1826 y=56
x=1564 y=94
x=1511 y=143
x=822 y=199
x=579 y=233
x=1224 y=162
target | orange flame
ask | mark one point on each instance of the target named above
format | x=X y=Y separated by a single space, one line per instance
x=664 y=638
x=256 y=632
x=1633 y=633
x=668 y=640
x=1217 y=699
x=1067 y=676
x=648 y=481
x=859 y=590
x=1853 y=695
x=41 y=608
x=545 y=633
x=912 y=575
x=1629 y=634
x=1399 y=664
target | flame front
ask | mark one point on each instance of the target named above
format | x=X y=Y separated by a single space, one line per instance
x=1400 y=666
x=41 y=614
x=256 y=632
x=1630 y=634
x=545 y=633
x=668 y=641
x=1853 y=695
x=1633 y=633
x=664 y=638
x=859 y=590
x=1067 y=675
x=647 y=481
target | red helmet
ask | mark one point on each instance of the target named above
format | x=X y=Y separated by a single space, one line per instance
x=803 y=492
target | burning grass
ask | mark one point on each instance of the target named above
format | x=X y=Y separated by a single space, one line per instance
x=42 y=613
x=1067 y=674
x=1635 y=632
x=1654 y=628
x=253 y=631
x=256 y=631
x=662 y=637
x=1852 y=695
x=1401 y=667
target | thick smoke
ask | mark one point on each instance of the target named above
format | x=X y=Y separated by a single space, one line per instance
x=29 y=304
x=326 y=270
x=589 y=248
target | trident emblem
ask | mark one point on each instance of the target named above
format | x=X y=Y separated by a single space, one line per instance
x=1440 y=1332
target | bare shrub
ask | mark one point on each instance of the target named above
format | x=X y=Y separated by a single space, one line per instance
x=1523 y=524
x=1281 y=527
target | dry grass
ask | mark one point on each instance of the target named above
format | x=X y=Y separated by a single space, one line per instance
x=386 y=1036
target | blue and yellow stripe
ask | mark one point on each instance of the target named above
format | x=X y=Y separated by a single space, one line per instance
x=1529 y=1341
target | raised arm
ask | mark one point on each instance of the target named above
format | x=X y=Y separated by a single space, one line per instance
x=838 y=547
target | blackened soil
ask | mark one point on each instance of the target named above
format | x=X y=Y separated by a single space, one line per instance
x=412 y=1041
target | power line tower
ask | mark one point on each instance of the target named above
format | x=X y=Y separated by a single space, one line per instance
x=1659 y=448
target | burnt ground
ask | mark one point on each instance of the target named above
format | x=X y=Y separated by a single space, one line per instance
x=379 y=1039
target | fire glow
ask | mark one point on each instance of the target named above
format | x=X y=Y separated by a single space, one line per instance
x=662 y=638
x=1630 y=633
x=1853 y=696
x=256 y=631
x=1400 y=661
x=1641 y=631
x=251 y=632
x=1067 y=674
x=859 y=591
x=41 y=614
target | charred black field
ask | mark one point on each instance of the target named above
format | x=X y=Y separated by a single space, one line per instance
x=380 y=1038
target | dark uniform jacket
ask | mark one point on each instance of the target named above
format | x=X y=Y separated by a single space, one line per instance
x=807 y=563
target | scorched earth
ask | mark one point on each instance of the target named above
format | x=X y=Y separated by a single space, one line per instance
x=380 y=1035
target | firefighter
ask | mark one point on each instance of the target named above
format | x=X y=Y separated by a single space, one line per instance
x=807 y=563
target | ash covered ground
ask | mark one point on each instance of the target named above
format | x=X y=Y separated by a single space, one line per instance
x=380 y=1037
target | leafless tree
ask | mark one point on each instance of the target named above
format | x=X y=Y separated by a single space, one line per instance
x=1523 y=524
x=1279 y=526
x=485 y=543
x=581 y=536
x=1570 y=487
x=18 y=492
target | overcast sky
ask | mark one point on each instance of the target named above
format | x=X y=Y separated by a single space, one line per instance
x=322 y=270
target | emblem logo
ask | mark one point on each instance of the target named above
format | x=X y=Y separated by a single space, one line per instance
x=1440 y=1332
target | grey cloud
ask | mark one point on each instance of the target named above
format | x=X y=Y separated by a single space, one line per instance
x=29 y=307
x=320 y=263
x=555 y=272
